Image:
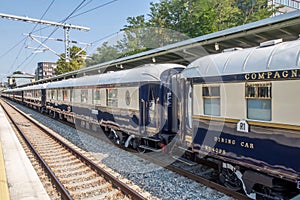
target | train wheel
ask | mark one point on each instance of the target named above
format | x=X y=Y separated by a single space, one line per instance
x=135 y=145
x=267 y=193
x=140 y=150
x=230 y=180
x=114 y=136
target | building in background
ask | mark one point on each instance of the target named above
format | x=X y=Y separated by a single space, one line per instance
x=45 y=70
x=19 y=79
x=3 y=86
x=287 y=5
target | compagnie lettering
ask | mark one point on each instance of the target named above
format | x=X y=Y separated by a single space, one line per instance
x=273 y=75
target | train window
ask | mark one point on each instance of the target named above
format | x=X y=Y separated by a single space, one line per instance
x=96 y=96
x=151 y=100
x=60 y=95
x=112 y=97
x=211 y=100
x=83 y=96
x=66 y=95
x=28 y=94
x=53 y=94
x=258 y=96
x=211 y=91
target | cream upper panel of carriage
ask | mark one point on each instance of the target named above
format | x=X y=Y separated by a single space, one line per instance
x=99 y=97
x=82 y=96
x=285 y=102
x=113 y=97
x=274 y=101
x=51 y=95
x=128 y=98
x=227 y=100
x=282 y=56
x=33 y=91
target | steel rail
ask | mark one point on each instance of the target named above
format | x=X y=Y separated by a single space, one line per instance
x=61 y=189
x=197 y=178
x=114 y=181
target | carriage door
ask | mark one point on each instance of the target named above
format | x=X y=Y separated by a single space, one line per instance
x=152 y=108
x=187 y=111
x=148 y=107
x=176 y=113
x=43 y=103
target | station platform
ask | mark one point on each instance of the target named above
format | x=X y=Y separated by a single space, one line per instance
x=18 y=179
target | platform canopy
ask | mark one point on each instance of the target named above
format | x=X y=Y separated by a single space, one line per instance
x=285 y=26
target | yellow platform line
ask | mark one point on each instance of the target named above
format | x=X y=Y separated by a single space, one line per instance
x=4 y=193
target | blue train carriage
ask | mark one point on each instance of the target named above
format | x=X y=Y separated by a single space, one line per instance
x=59 y=98
x=133 y=106
x=34 y=96
x=242 y=109
x=7 y=94
x=14 y=94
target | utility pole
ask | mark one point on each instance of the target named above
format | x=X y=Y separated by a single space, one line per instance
x=65 y=26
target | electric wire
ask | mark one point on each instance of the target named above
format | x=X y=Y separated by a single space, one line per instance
x=92 y=9
x=55 y=29
x=79 y=7
x=26 y=38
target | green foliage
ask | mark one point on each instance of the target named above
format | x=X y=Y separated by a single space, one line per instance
x=253 y=11
x=105 y=53
x=76 y=62
x=176 y=20
x=18 y=72
x=199 y=17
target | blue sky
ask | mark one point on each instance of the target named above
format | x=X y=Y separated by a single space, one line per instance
x=103 y=22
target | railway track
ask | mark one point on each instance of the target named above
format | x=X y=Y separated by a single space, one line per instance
x=204 y=177
x=166 y=161
x=74 y=175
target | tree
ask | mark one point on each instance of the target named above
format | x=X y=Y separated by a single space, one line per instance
x=176 y=20
x=76 y=62
x=105 y=53
x=199 y=17
x=254 y=10
x=18 y=72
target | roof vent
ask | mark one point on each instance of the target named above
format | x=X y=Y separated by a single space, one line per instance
x=270 y=42
x=232 y=49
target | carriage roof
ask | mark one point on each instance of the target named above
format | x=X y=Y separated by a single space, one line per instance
x=282 y=56
x=145 y=73
x=31 y=87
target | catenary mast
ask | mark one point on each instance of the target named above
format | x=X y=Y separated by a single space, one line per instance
x=65 y=26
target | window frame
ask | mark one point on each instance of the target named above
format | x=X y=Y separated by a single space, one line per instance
x=262 y=94
x=96 y=101
x=112 y=101
x=84 y=91
x=209 y=92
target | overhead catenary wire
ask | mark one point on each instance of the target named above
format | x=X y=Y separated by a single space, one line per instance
x=100 y=6
x=55 y=29
x=70 y=16
x=25 y=38
x=80 y=6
